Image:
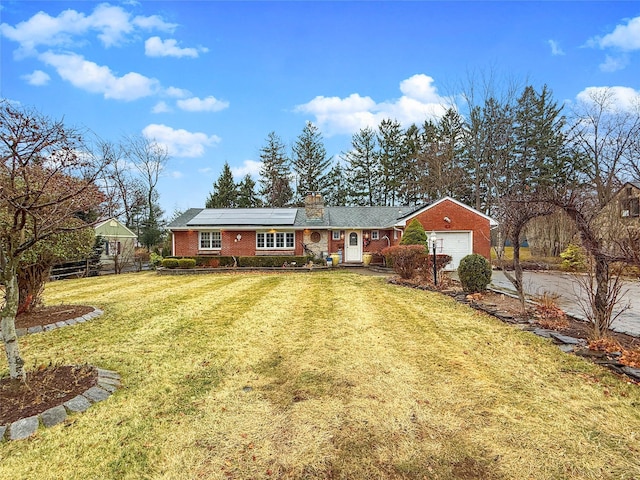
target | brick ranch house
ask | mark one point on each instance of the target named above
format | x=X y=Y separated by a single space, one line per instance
x=323 y=230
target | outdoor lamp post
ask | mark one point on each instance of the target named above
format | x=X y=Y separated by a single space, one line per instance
x=432 y=240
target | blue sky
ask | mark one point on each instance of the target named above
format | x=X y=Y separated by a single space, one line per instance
x=211 y=79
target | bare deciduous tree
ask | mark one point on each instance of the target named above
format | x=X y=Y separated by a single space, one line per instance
x=47 y=178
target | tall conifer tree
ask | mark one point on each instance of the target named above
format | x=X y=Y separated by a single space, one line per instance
x=275 y=174
x=310 y=163
x=363 y=168
x=225 y=191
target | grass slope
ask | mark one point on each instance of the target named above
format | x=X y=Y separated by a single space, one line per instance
x=325 y=375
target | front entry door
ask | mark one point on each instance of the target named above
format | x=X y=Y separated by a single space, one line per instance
x=353 y=246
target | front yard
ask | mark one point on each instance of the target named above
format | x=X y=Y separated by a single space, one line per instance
x=322 y=375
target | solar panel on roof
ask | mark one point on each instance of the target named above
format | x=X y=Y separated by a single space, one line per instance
x=244 y=216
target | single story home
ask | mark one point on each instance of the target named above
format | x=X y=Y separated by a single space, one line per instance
x=351 y=231
x=118 y=241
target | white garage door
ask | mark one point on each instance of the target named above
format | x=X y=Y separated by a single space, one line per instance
x=455 y=244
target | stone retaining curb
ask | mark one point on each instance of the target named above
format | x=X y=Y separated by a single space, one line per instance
x=66 y=323
x=25 y=427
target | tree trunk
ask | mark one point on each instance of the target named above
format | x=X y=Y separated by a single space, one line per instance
x=516 y=279
x=8 y=322
x=601 y=315
x=31 y=280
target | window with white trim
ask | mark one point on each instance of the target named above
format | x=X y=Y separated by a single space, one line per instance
x=275 y=240
x=210 y=241
x=335 y=235
x=375 y=235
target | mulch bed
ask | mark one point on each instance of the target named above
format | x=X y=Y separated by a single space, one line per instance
x=43 y=389
x=48 y=386
x=53 y=314
x=575 y=328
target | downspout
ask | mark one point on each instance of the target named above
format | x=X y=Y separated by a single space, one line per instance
x=396 y=229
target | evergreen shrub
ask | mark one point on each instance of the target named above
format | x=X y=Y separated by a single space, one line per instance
x=187 y=263
x=474 y=272
x=414 y=234
x=170 y=263
x=573 y=258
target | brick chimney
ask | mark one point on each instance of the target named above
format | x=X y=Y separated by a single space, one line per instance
x=314 y=206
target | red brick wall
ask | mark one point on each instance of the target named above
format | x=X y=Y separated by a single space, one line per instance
x=462 y=219
x=245 y=247
x=186 y=244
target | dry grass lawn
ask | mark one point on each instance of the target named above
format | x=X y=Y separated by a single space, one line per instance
x=322 y=375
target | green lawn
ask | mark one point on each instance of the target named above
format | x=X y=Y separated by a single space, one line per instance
x=321 y=375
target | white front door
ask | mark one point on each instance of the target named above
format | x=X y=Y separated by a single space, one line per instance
x=353 y=246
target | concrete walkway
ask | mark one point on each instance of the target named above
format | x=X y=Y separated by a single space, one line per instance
x=565 y=285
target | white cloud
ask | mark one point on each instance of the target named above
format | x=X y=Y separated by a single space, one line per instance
x=94 y=78
x=160 y=107
x=250 y=167
x=37 y=78
x=156 y=47
x=555 y=48
x=625 y=37
x=205 y=170
x=179 y=142
x=154 y=22
x=419 y=102
x=420 y=87
x=621 y=98
x=176 y=174
x=613 y=64
x=112 y=24
x=177 y=92
x=209 y=104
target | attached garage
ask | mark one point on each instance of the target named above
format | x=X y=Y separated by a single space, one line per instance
x=460 y=230
x=455 y=244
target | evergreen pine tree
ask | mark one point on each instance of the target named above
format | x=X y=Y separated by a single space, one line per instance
x=338 y=190
x=310 y=163
x=275 y=174
x=225 y=191
x=363 y=168
x=392 y=160
x=247 y=197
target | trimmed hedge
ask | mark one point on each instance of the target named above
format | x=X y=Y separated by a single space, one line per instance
x=272 y=261
x=170 y=262
x=187 y=263
x=255 y=262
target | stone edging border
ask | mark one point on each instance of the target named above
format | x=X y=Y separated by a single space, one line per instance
x=108 y=382
x=63 y=323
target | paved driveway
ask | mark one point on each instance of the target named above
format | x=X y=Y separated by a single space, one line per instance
x=537 y=283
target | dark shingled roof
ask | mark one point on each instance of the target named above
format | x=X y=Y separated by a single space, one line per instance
x=334 y=217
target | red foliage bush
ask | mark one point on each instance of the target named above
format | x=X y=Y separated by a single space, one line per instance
x=405 y=259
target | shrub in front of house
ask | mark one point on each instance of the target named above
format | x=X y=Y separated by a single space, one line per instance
x=405 y=259
x=170 y=262
x=426 y=270
x=214 y=261
x=474 y=273
x=272 y=261
x=187 y=263
x=155 y=260
x=414 y=234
